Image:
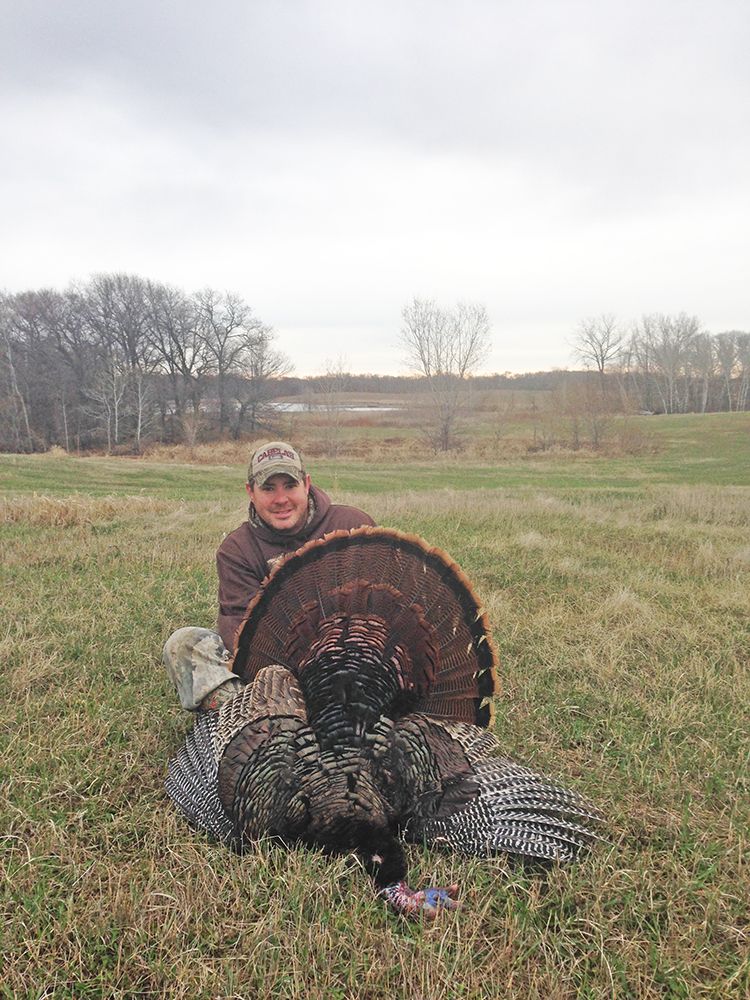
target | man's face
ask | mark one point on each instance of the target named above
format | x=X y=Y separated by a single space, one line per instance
x=281 y=502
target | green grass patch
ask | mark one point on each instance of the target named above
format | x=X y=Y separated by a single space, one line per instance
x=710 y=449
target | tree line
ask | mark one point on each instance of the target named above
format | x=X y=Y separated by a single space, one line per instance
x=119 y=359
x=668 y=364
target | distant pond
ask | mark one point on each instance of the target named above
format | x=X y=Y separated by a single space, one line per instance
x=317 y=407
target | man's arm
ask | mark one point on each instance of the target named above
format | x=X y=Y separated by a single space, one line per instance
x=238 y=582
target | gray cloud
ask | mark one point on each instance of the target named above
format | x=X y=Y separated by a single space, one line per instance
x=330 y=159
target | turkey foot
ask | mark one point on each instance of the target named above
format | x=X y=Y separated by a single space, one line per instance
x=424 y=903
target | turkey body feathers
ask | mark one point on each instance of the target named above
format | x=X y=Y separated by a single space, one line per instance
x=369 y=673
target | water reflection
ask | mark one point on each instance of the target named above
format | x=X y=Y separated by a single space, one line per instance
x=317 y=407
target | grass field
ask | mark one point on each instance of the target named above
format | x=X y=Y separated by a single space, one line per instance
x=618 y=590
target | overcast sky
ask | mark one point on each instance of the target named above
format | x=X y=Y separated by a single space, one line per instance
x=331 y=159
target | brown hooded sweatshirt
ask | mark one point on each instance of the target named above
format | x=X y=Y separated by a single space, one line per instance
x=245 y=557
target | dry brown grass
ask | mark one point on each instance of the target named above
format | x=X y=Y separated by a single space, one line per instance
x=63 y=512
x=489 y=430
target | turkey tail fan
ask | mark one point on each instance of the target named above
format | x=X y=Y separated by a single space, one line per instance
x=412 y=595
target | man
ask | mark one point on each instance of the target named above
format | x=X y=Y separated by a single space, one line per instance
x=286 y=511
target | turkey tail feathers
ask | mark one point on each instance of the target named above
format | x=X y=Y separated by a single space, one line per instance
x=435 y=624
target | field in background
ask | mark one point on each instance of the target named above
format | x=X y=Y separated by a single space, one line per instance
x=713 y=449
x=617 y=587
x=492 y=424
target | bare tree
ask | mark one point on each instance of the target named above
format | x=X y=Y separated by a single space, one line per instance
x=18 y=412
x=191 y=428
x=330 y=386
x=54 y=359
x=445 y=347
x=142 y=397
x=252 y=388
x=664 y=346
x=179 y=347
x=599 y=343
x=586 y=412
x=440 y=342
x=726 y=357
x=117 y=310
x=742 y=341
x=702 y=362
x=106 y=396
x=229 y=330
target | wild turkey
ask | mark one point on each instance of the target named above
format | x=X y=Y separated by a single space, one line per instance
x=370 y=674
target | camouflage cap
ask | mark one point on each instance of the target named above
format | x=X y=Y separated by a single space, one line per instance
x=272 y=459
